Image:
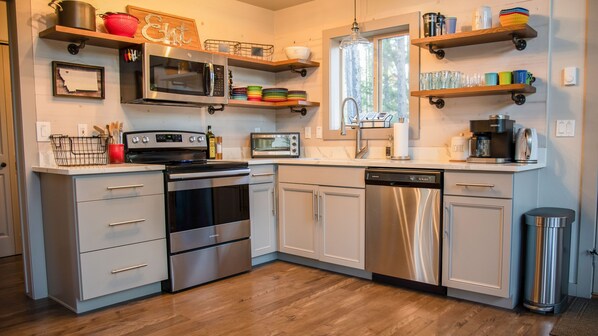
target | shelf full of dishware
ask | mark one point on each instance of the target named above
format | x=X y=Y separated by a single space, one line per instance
x=453 y=84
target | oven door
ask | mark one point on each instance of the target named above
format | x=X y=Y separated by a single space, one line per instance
x=207 y=208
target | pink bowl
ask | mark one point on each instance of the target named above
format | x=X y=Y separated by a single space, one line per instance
x=122 y=24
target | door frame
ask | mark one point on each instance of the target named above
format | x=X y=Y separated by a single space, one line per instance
x=587 y=218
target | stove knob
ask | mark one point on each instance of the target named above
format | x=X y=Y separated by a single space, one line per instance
x=191 y=139
x=294 y=150
x=201 y=138
x=145 y=139
x=294 y=137
x=294 y=144
x=135 y=139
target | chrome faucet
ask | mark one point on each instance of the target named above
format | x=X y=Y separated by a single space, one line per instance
x=360 y=152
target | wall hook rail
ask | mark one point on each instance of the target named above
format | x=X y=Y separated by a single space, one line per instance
x=302 y=72
x=301 y=110
x=439 y=103
x=439 y=53
x=212 y=109
x=74 y=48
x=518 y=98
x=519 y=43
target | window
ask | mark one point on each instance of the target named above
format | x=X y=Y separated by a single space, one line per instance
x=378 y=76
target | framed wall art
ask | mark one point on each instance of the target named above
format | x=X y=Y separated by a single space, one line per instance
x=77 y=80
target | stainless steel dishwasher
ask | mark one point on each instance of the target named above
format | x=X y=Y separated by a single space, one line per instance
x=403 y=227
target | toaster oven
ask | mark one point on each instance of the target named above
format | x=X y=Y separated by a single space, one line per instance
x=275 y=145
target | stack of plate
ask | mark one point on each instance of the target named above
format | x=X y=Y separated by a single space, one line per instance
x=513 y=16
x=275 y=94
x=254 y=93
x=239 y=93
x=297 y=95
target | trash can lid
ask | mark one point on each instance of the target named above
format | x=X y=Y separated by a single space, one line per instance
x=550 y=217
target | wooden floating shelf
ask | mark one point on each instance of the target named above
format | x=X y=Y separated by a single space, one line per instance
x=481 y=36
x=93 y=38
x=98 y=39
x=272 y=105
x=476 y=91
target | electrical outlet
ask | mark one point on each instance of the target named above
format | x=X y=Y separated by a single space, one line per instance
x=565 y=128
x=43 y=131
x=319 y=132
x=81 y=130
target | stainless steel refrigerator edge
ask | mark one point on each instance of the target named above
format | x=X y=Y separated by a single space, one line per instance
x=403 y=225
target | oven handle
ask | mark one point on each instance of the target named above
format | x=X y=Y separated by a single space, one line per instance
x=223 y=173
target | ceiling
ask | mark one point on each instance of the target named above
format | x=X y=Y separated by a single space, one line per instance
x=275 y=4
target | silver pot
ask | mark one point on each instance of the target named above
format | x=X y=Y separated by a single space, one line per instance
x=75 y=14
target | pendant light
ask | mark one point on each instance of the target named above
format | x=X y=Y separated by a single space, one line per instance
x=355 y=37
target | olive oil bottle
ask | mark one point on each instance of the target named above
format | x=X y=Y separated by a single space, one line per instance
x=211 y=143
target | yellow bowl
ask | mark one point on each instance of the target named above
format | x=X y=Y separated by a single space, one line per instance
x=513 y=19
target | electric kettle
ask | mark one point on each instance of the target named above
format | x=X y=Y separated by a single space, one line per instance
x=526 y=146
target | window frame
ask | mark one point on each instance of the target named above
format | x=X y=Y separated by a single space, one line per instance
x=331 y=68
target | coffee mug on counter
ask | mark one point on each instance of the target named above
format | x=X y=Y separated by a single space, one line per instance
x=505 y=77
x=520 y=77
x=491 y=78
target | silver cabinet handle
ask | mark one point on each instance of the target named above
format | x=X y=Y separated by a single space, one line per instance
x=262 y=174
x=447 y=220
x=478 y=185
x=128 y=268
x=315 y=201
x=130 y=186
x=273 y=204
x=214 y=235
x=133 y=221
x=319 y=202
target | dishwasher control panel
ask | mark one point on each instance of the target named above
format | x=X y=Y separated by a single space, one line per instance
x=406 y=177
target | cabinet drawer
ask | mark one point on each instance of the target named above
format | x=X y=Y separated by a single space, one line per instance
x=498 y=185
x=262 y=174
x=109 y=186
x=329 y=176
x=109 y=223
x=112 y=270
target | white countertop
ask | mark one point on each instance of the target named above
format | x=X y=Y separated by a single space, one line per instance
x=99 y=169
x=419 y=164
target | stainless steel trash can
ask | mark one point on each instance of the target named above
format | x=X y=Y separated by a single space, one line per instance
x=547 y=259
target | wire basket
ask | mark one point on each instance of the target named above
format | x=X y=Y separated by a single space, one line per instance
x=252 y=50
x=223 y=46
x=79 y=151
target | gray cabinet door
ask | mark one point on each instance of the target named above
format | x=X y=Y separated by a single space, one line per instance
x=263 y=219
x=298 y=219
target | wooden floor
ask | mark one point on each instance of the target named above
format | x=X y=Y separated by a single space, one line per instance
x=274 y=299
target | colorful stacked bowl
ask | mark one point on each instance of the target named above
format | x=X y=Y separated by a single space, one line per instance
x=275 y=94
x=297 y=95
x=513 y=16
x=239 y=93
x=254 y=93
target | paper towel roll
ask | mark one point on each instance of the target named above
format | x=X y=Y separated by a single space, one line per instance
x=401 y=140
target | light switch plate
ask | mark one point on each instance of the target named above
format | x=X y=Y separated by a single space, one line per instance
x=308 y=132
x=570 y=76
x=319 y=132
x=44 y=129
x=565 y=128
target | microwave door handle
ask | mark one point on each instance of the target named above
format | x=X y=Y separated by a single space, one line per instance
x=209 y=80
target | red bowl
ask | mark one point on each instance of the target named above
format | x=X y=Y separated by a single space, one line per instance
x=122 y=24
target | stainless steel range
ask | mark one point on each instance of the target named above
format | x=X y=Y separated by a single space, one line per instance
x=207 y=206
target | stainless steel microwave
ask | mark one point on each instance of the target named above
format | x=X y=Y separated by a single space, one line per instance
x=275 y=145
x=159 y=74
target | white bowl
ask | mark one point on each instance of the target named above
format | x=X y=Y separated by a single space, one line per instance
x=297 y=52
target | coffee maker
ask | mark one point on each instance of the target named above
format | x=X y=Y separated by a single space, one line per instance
x=492 y=140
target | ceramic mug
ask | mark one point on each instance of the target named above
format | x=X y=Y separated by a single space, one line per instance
x=505 y=77
x=450 y=25
x=491 y=78
x=520 y=76
x=530 y=78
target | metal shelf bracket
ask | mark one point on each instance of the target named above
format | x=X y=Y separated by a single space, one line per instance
x=439 y=103
x=212 y=109
x=519 y=43
x=301 y=110
x=302 y=72
x=439 y=53
x=74 y=48
x=518 y=98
